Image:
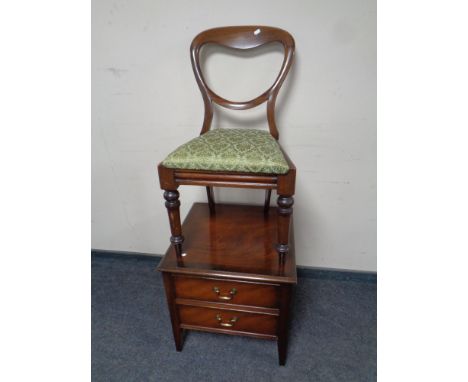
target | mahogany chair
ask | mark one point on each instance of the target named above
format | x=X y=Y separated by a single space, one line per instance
x=233 y=157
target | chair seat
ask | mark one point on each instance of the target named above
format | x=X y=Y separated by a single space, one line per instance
x=237 y=150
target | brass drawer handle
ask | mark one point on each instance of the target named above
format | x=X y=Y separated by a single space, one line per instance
x=229 y=324
x=232 y=292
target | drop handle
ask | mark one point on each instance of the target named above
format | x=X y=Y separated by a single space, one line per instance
x=228 y=324
x=228 y=297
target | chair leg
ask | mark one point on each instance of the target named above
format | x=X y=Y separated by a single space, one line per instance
x=266 y=206
x=211 y=201
x=285 y=210
x=172 y=205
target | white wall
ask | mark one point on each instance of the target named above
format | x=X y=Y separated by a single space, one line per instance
x=145 y=102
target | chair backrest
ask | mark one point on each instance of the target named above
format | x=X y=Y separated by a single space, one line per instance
x=242 y=37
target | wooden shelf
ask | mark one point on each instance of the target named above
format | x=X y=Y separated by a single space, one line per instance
x=236 y=242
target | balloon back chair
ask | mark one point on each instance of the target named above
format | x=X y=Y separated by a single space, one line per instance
x=245 y=158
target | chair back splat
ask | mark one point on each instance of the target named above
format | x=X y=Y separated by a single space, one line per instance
x=242 y=37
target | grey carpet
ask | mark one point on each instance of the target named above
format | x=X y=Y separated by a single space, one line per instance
x=332 y=336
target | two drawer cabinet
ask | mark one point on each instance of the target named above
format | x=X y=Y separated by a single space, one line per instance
x=214 y=288
x=233 y=307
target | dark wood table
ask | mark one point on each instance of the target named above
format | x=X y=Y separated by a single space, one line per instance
x=230 y=278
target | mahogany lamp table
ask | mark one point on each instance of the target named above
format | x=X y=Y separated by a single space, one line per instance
x=229 y=278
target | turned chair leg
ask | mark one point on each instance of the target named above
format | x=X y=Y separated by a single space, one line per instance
x=172 y=205
x=285 y=210
x=266 y=205
x=211 y=201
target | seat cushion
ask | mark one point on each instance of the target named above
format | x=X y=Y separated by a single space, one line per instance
x=239 y=150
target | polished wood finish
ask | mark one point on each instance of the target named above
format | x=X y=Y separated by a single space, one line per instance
x=230 y=270
x=284 y=212
x=228 y=306
x=229 y=292
x=237 y=240
x=283 y=319
x=236 y=37
x=266 y=204
x=172 y=205
x=242 y=37
x=232 y=179
x=211 y=202
x=230 y=332
x=221 y=319
x=171 y=179
x=170 y=295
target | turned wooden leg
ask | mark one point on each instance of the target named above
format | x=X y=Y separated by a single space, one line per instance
x=172 y=205
x=211 y=202
x=284 y=216
x=175 y=322
x=285 y=296
x=266 y=205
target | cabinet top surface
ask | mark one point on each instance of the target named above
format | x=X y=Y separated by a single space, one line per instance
x=238 y=241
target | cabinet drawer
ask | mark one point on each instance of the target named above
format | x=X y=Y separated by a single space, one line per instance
x=234 y=292
x=230 y=320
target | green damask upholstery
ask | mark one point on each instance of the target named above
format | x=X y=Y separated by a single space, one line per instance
x=242 y=150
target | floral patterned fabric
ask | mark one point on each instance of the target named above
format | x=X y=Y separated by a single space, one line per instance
x=242 y=150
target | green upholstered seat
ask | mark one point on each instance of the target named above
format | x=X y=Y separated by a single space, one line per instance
x=239 y=150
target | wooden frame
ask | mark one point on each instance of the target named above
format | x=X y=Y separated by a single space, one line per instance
x=237 y=37
x=242 y=37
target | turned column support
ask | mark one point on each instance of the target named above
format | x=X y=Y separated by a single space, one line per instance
x=211 y=201
x=172 y=205
x=266 y=205
x=285 y=211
